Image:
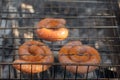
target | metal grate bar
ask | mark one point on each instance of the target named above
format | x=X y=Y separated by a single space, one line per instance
x=81 y=1
x=73 y=17
x=76 y=27
x=93 y=22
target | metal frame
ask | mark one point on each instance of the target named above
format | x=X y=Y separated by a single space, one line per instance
x=17 y=20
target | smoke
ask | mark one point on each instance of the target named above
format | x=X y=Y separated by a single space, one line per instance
x=83 y=17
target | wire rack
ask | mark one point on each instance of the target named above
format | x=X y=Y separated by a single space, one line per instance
x=94 y=22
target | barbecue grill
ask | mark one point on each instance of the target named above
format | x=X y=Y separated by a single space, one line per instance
x=93 y=22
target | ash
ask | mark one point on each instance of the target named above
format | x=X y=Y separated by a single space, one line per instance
x=76 y=14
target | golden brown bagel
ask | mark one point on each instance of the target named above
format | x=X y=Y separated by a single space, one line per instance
x=33 y=52
x=76 y=53
x=51 y=29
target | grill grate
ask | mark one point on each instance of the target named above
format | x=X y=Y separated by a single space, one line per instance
x=94 y=22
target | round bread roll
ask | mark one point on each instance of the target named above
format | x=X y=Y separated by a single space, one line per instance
x=34 y=56
x=52 y=29
x=76 y=53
